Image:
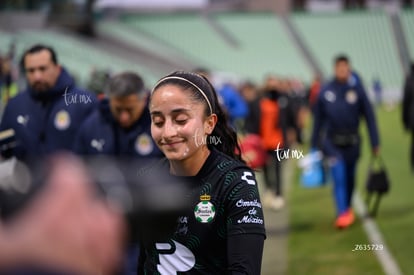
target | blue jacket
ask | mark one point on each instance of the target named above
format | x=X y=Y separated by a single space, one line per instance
x=48 y=121
x=338 y=110
x=234 y=103
x=100 y=134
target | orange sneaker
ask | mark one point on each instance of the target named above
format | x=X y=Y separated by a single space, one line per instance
x=345 y=219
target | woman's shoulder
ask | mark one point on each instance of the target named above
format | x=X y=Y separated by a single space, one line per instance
x=224 y=162
x=231 y=170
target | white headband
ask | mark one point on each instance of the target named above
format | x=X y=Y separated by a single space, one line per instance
x=188 y=81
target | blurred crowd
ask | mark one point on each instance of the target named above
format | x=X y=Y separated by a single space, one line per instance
x=9 y=74
x=111 y=117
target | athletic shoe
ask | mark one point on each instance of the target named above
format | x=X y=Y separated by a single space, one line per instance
x=277 y=203
x=273 y=202
x=345 y=219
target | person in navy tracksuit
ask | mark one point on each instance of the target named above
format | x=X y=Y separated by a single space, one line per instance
x=45 y=117
x=121 y=125
x=338 y=110
x=121 y=128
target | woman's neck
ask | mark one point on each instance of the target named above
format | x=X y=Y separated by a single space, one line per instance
x=191 y=165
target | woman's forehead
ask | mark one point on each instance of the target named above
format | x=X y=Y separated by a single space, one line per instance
x=169 y=95
x=169 y=92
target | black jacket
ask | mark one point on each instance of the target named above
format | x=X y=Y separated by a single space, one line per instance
x=408 y=102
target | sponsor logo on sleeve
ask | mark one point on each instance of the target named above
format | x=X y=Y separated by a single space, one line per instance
x=251 y=217
x=242 y=203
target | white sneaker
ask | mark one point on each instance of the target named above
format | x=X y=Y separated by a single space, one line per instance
x=277 y=203
x=267 y=198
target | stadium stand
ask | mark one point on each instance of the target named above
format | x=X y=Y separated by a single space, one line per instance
x=5 y=41
x=186 y=33
x=255 y=54
x=133 y=37
x=407 y=19
x=364 y=36
x=267 y=50
x=79 y=57
x=188 y=38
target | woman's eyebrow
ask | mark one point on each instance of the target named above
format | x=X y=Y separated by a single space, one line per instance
x=180 y=110
x=156 y=113
x=173 y=112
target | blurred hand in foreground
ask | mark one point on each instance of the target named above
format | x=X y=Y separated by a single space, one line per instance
x=65 y=227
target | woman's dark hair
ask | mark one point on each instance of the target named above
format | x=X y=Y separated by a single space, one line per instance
x=197 y=85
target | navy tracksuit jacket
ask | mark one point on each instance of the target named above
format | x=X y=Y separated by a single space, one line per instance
x=100 y=134
x=338 y=111
x=45 y=122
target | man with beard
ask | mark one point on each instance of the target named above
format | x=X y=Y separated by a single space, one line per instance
x=46 y=116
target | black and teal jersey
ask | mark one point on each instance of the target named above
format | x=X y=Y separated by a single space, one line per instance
x=223 y=202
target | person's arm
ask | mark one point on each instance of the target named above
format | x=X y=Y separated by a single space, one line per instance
x=369 y=115
x=246 y=232
x=244 y=254
x=318 y=118
x=407 y=99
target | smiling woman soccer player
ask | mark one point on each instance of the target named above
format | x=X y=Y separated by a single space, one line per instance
x=222 y=232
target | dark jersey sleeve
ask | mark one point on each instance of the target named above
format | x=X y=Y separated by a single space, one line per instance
x=244 y=209
x=244 y=254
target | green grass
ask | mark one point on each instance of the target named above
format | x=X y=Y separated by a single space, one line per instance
x=316 y=247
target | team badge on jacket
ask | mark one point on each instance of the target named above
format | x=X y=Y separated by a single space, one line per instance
x=204 y=211
x=351 y=97
x=330 y=96
x=62 y=120
x=143 y=144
